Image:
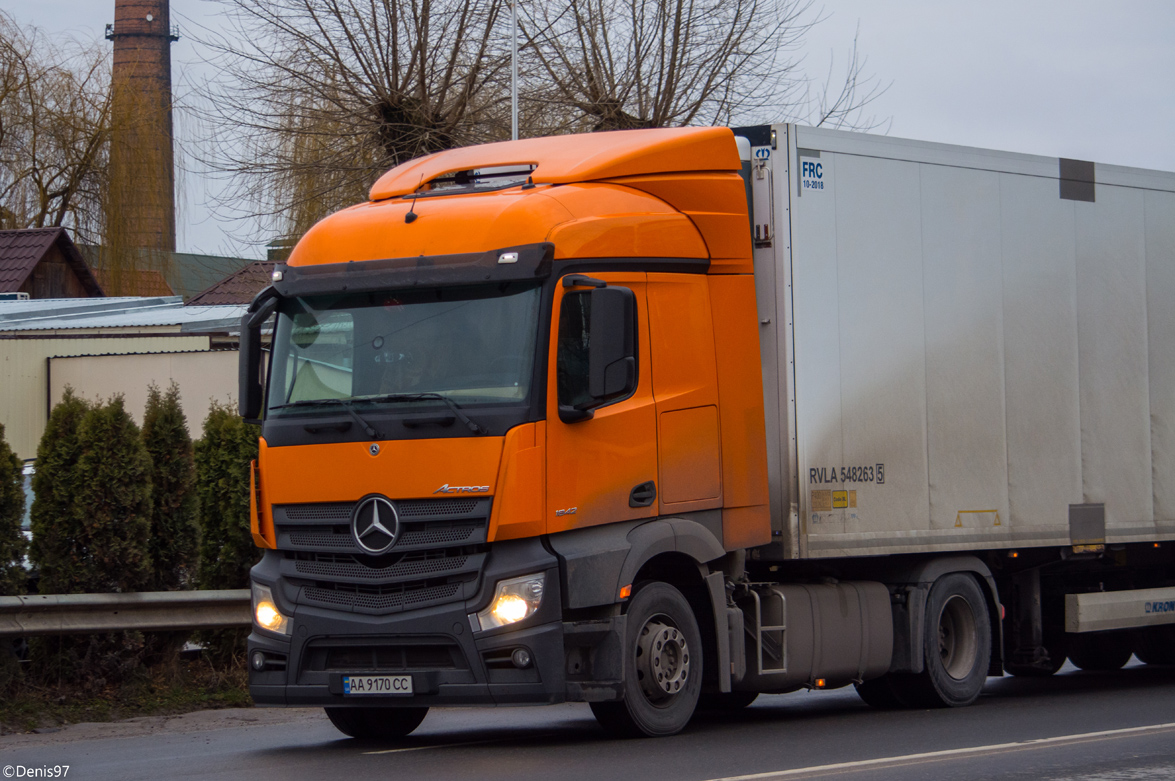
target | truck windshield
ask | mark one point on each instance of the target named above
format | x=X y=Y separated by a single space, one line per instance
x=469 y=345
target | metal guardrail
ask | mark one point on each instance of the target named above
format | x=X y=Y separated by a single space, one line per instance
x=148 y=611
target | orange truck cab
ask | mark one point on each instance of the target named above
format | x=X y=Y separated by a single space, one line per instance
x=504 y=395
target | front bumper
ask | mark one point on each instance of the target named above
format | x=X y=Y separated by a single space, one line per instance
x=567 y=660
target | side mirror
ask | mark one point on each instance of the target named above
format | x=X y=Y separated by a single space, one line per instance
x=612 y=345
x=251 y=390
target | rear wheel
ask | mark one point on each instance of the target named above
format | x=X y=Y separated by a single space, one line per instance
x=957 y=647
x=1155 y=644
x=662 y=666
x=376 y=723
x=1100 y=651
x=1054 y=644
x=880 y=693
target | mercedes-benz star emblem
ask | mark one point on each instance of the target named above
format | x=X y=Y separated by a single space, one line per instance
x=375 y=524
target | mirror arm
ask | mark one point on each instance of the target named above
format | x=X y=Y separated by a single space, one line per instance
x=569 y=414
x=579 y=280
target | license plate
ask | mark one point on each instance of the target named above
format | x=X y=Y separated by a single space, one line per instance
x=377 y=684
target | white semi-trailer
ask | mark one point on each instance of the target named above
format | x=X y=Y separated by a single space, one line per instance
x=970 y=352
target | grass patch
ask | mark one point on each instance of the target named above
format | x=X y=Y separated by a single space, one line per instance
x=166 y=690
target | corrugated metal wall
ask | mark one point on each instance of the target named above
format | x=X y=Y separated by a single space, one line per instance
x=202 y=377
x=24 y=375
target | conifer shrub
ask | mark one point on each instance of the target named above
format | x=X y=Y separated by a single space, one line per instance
x=56 y=519
x=92 y=510
x=173 y=478
x=172 y=540
x=227 y=553
x=114 y=494
x=13 y=577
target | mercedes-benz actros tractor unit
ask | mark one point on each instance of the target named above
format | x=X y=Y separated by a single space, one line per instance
x=661 y=420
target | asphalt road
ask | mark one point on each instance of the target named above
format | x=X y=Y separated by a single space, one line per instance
x=1076 y=725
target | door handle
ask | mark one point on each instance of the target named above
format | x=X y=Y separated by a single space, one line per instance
x=643 y=494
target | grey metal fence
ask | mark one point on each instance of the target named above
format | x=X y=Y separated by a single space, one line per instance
x=154 y=611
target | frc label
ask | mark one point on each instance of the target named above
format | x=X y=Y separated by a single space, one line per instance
x=811 y=175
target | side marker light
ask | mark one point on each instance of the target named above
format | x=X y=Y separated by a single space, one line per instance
x=626 y=592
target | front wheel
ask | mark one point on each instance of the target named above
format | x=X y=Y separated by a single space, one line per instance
x=376 y=723
x=662 y=666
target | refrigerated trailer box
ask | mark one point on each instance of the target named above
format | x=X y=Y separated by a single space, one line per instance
x=962 y=349
x=595 y=419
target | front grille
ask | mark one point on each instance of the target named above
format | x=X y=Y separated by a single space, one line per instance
x=438 y=555
x=321 y=656
x=379 y=600
x=348 y=567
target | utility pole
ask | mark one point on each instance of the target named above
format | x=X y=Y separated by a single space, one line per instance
x=514 y=70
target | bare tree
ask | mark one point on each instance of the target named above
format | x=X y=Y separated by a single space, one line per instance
x=54 y=131
x=318 y=97
x=658 y=63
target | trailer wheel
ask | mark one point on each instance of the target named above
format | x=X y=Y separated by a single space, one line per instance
x=1100 y=651
x=1054 y=643
x=662 y=666
x=1155 y=644
x=725 y=702
x=376 y=723
x=957 y=647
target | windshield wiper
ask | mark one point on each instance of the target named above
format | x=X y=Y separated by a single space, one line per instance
x=476 y=429
x=344 y=403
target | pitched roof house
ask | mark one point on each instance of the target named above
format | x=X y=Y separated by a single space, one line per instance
x=44 y=263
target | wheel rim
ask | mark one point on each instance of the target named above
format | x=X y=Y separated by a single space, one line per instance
x=958 y=638
x=662 y=659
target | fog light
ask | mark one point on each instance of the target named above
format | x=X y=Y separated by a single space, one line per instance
x=258 y=661
x=521 y=658
x=265 y=612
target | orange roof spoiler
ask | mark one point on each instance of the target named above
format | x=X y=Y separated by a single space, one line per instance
x=577 y=158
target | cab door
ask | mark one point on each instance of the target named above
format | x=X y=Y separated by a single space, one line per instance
x=603 y=468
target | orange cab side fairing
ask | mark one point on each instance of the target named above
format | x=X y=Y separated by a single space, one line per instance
x=520 y=499
x=685 y=386
x=746 y=516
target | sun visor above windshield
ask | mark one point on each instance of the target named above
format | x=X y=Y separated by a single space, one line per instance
x=508 y=264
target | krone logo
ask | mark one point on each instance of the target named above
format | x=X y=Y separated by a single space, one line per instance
x=375 y=524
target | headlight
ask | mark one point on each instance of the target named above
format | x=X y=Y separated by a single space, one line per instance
x=514 y=600
x=265 y=611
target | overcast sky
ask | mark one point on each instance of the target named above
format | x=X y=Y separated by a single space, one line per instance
x=1063 y=78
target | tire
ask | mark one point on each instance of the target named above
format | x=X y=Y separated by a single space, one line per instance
x=1155 y=645
x=376 y=723
x=880 y=693
x=662 y=666
x=1101 y=651
x=1054 y=643
x=725 y=702
x=957 y=647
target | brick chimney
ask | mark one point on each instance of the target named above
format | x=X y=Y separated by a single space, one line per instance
x=142 y=159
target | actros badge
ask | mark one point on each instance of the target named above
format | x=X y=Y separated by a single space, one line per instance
x=375 y=524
